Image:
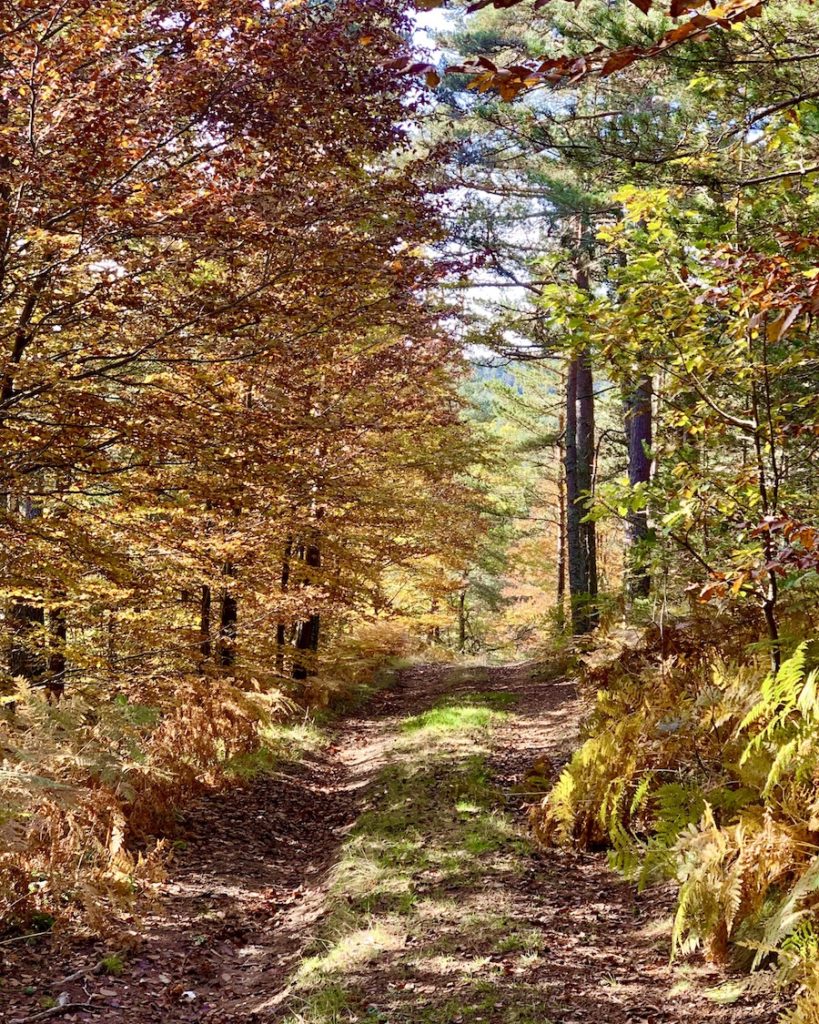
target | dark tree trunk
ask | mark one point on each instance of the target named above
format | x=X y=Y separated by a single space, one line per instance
x=58 y=630
x=462 y=620
x=585 y=471
x=24 y=621
x=580 y=454
x=205 y=601
x=639 y=433
x=307 y=631
x=769 y=611
x=108 y=626
x=579 y=460
x=560 y=596
x=281 y=628
x=228 y=617
x=574 y=513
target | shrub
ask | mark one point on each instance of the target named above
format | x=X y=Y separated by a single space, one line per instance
x=704 y=771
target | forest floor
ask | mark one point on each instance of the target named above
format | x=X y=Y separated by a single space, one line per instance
x=388 y=878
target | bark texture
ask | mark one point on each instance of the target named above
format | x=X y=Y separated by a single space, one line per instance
x=639 y=435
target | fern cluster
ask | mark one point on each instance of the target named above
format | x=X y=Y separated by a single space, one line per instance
x=90 y=786
x=85 y=783
x=704 y=772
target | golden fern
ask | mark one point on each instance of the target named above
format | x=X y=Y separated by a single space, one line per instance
x=705 y=772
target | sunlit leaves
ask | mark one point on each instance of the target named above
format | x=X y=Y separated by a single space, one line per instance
x=209 y=342
x=568 y=69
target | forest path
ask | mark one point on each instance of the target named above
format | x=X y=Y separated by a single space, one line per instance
x=390 y=879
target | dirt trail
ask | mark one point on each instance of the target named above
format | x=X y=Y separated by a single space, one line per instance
x=543 y=936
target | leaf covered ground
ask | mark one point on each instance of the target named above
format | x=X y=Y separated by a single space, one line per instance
x=388 y=877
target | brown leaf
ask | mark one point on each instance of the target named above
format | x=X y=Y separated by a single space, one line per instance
x=679 y=7
x=617 y=61
x=779 y=327
x=676 y=35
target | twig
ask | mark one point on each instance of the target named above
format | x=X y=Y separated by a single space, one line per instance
x=19 y=938
x=684 y=542
x=90 y=970
x=55 y=1011
x=795 y=173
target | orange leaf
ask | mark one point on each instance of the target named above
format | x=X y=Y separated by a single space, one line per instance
x=617 y=61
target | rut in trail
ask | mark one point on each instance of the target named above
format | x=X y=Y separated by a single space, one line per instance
x=391 y=879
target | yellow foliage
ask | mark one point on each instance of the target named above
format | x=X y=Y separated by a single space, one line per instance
x=704 y=772
x=80 y=781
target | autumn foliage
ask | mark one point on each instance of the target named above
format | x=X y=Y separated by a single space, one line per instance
x=225 y=410
x=642 y=184
x=247 y=257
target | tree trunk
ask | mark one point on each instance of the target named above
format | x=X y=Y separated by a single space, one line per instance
x=281 y=628
x=58 y=631
x=462 y=620
x=769 y=502
x=639 y=434
x=228 y=617
x=25 y=619
x=769 y=611
x=204 y=623
x=580 y=454
x=560 y=596
x=307 y=631
x=585 y=474
x=579 y=460
x=574 y=542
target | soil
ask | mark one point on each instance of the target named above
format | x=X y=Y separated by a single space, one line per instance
x=247 y=891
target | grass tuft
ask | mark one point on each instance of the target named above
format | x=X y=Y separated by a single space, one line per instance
x=396 y=939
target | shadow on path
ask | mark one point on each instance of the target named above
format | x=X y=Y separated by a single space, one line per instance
x=390 y=879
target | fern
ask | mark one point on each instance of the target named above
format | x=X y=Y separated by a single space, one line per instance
x=81 y=779
x=705 y=773
x=790 y=916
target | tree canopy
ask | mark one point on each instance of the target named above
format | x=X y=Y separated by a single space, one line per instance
x=334 y=335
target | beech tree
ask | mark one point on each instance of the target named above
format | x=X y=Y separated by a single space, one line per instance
x=212 y=272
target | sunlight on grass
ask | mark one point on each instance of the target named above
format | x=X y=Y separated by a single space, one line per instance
x=355 y=948
x=462 y=713
x=436 y=825
x=727 y=993
x=522 y=940
x=281 y=742
x=444 y=965
x=450 y=718
x=327 y=1005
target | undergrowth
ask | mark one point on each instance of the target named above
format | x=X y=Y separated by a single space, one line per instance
x=88 y=785
x=704 y=771
x=91 y=785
